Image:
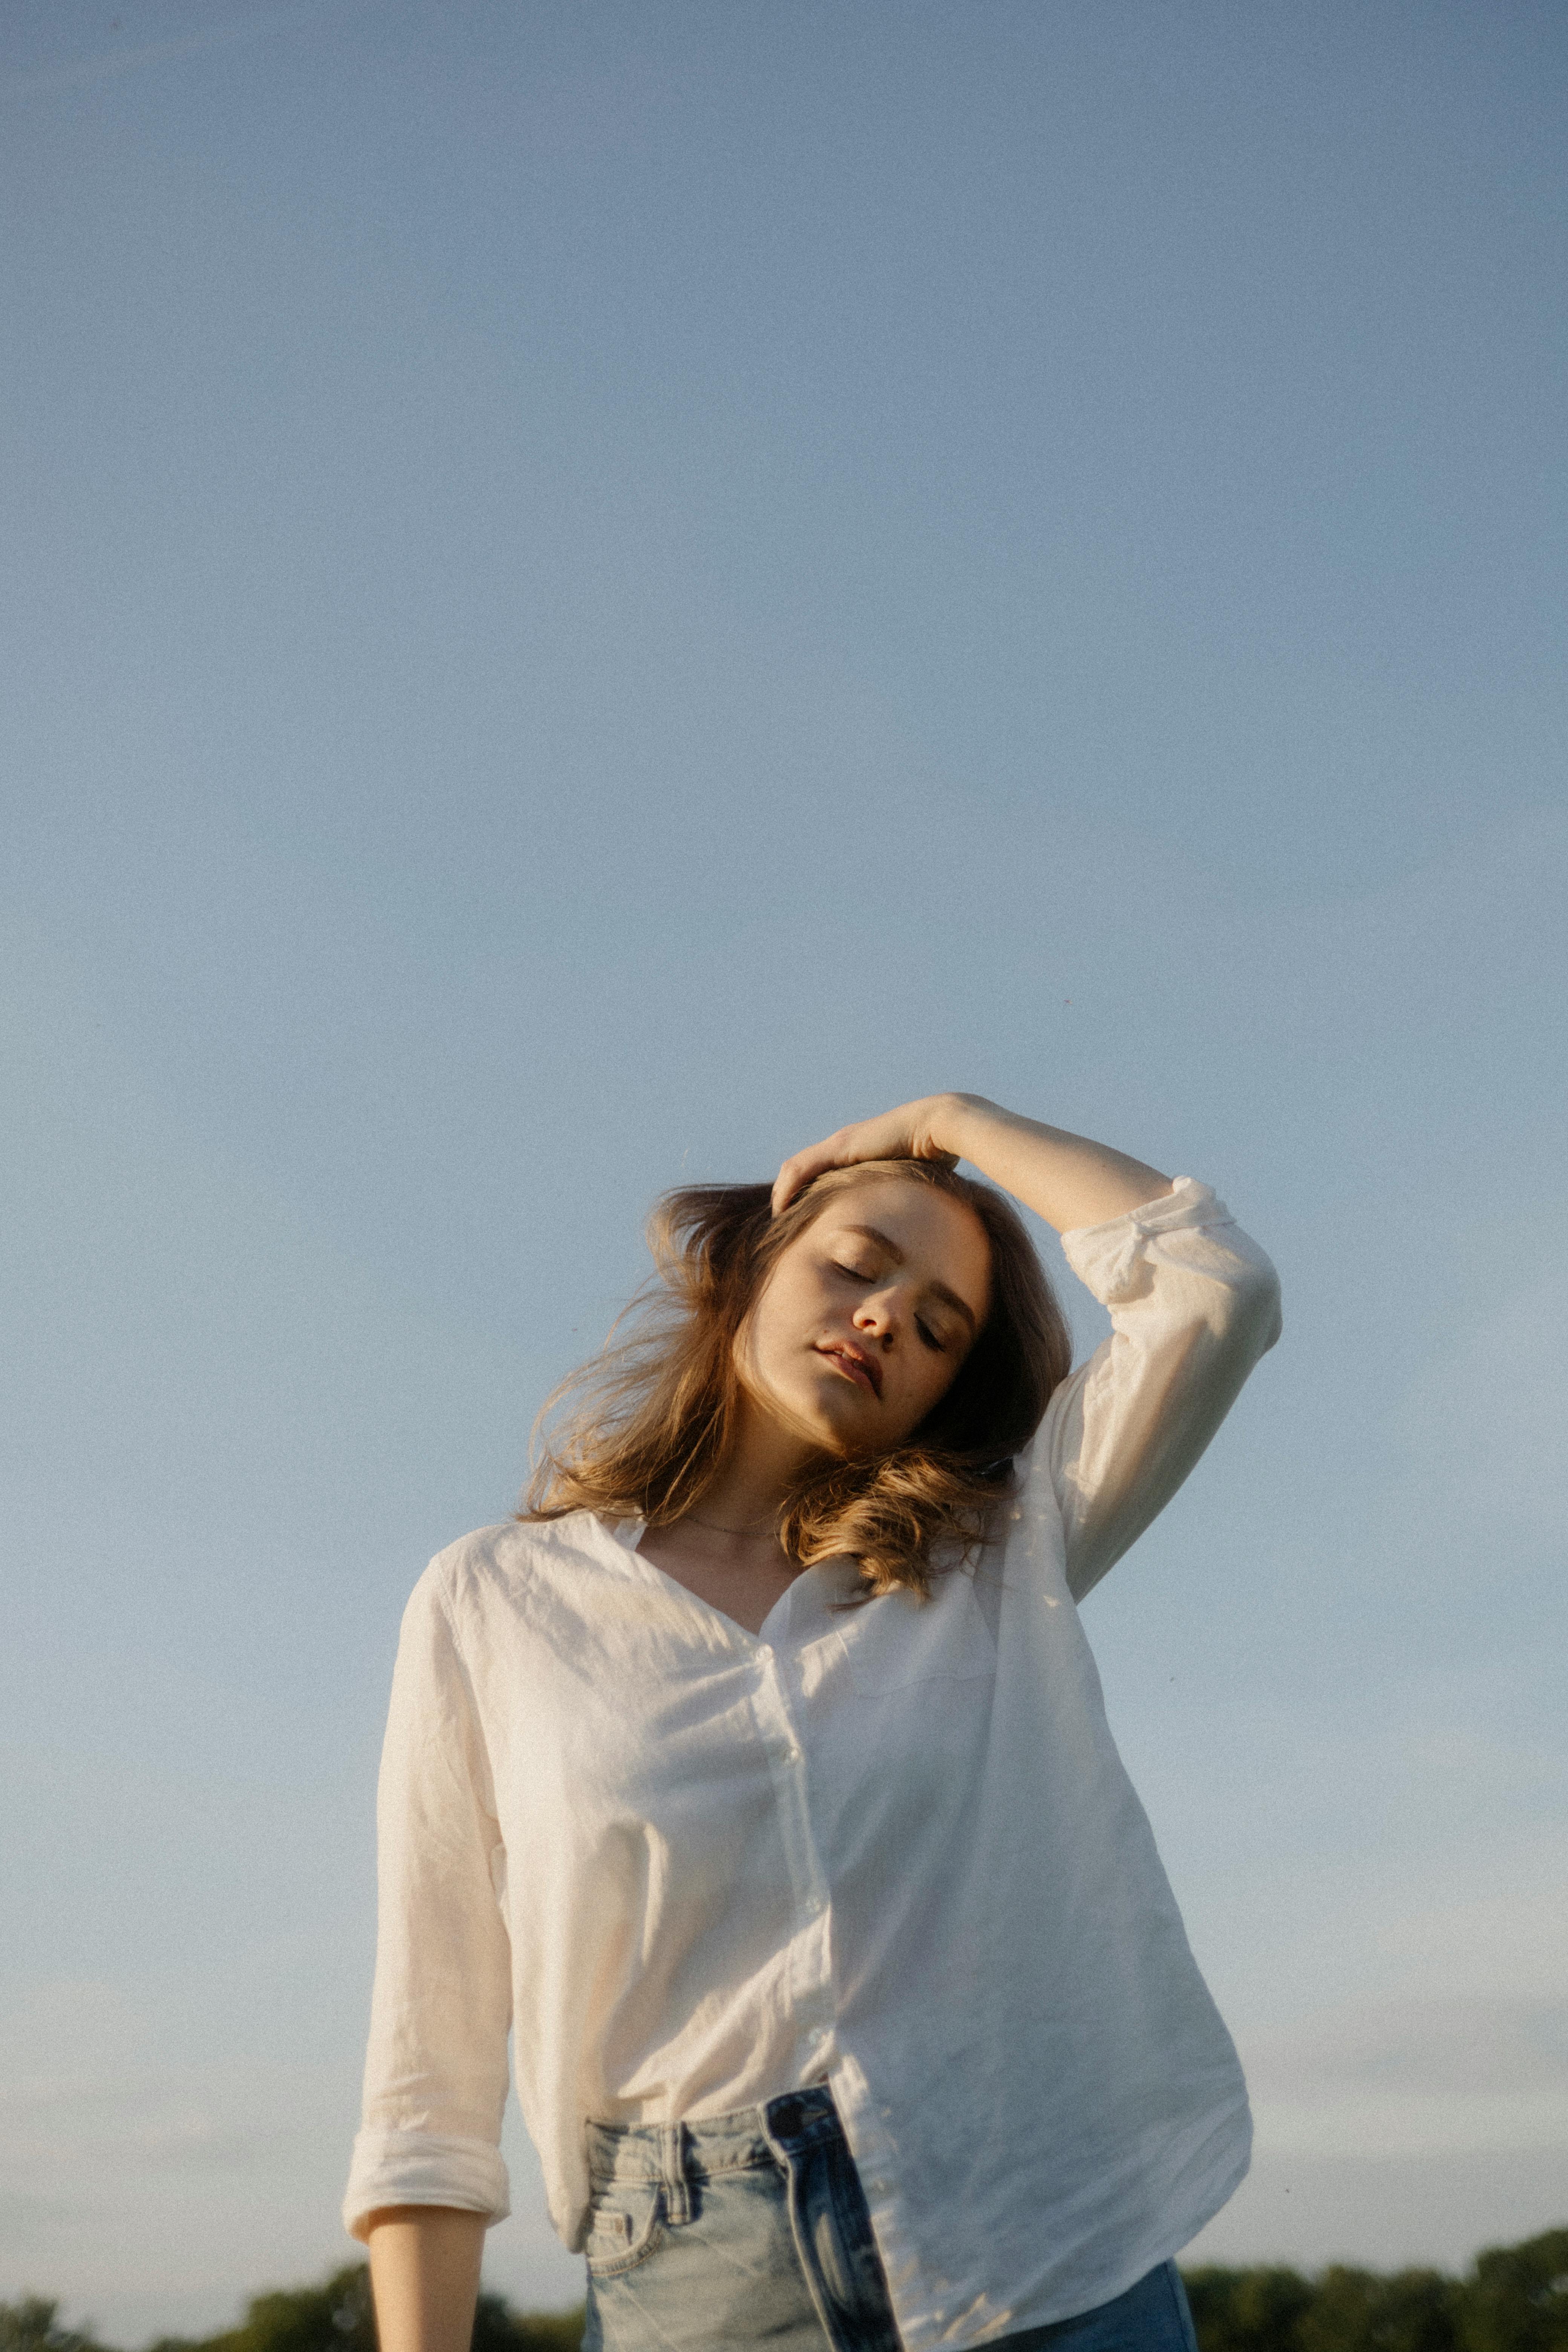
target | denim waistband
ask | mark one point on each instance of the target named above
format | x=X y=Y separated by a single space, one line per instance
x=635 y=2306
x=676 y=2153
x=799 y=2139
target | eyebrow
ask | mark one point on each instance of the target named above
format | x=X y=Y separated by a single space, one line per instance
x=938 y=1290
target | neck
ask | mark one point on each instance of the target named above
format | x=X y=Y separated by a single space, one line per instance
x=763 y=1462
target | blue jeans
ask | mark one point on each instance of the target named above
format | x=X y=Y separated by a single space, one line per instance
x=752 y=2228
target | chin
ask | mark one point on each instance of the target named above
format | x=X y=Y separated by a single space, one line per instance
x=834 y=1436
x=852 y=1436
x=827 y=1422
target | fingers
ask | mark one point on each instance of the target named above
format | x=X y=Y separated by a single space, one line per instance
x=836 y=1151
x=798 y=1171
x=889 y=1138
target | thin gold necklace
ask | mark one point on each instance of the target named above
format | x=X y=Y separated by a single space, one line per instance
x=755 y=1535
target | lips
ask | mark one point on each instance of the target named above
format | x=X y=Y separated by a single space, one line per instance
x=855 y=1363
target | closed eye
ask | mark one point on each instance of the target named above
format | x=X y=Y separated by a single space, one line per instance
x=928 y=1337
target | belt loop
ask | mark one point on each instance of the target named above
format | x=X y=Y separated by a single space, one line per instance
x=672 y=2164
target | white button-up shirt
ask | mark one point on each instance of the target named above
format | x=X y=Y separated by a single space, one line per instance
x=888 y=1847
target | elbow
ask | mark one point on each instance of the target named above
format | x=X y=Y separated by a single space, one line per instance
x=1242 y=1311
x=1256 y=1320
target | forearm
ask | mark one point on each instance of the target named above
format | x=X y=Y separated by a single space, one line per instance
x=424 y=2275
x=1064 y=1179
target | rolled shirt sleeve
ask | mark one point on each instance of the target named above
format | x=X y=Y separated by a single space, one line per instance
x=435 y=2070
x=1194 y=1304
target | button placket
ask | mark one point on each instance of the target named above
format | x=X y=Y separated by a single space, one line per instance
x=810 y=1973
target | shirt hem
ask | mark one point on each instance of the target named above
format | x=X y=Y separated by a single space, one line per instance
x=1045 y=2310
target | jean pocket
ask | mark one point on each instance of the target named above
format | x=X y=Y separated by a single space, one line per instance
x=623 y=2226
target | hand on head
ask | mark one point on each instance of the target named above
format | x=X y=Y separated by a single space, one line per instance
x=915 y=1130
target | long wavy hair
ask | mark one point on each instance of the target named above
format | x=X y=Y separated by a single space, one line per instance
x=641 y=1430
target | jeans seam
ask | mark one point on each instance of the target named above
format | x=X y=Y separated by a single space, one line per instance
x=844 y=2198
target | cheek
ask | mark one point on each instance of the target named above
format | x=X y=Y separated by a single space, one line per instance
x=789 y=1310
x=762 y=1328
x=770 y=1332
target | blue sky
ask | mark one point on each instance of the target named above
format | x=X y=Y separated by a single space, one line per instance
x=594 y=589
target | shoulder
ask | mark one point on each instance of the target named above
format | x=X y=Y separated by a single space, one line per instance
x=504 y=1568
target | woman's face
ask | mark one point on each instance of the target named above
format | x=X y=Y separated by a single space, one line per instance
x=867 y=1316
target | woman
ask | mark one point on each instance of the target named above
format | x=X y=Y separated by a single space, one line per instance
x=759 y=1777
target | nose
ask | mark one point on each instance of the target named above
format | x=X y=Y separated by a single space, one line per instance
x=876 y=1317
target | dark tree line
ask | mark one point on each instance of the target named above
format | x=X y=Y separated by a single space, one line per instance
x=335 y=2316
x=1512 y=2299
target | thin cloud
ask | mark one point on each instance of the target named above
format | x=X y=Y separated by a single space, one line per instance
x=108 y=63
x=1415 y=2078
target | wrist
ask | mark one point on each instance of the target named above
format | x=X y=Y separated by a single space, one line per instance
x=962 y=1123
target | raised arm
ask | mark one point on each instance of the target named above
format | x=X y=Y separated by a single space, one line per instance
x=1064 y=1179
x=1193 y=1304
